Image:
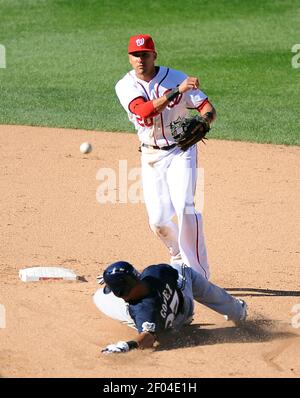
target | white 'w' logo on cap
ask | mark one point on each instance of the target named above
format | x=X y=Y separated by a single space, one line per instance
x=140 y=42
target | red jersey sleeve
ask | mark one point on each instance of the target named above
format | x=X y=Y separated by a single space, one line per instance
x=139 y=106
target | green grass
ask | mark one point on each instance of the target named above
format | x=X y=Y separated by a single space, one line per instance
x=64 y=58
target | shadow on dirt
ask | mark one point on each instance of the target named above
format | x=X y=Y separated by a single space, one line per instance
x=253 y=331
x=252 y=292
x=82 y=279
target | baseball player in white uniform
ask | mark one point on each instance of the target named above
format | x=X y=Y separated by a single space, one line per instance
x=153 y=96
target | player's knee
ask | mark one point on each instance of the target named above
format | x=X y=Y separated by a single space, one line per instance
x=159 y=230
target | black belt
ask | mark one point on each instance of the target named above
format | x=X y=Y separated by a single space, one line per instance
x=164 y=148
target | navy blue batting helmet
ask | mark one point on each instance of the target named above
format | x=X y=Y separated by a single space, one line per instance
x=119 y=278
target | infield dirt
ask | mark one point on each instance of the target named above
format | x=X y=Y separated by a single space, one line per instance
x=50 y=215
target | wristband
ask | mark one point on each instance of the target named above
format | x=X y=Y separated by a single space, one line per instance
x=171 y=95
x=132 y=344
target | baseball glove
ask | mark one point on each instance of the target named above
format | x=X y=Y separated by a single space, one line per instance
x=188 y=131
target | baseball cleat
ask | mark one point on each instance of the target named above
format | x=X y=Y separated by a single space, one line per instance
x=243 y=317
x=245 y=312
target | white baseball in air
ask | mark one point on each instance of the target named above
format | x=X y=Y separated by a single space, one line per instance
x=85 y=147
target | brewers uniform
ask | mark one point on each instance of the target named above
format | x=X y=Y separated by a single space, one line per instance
x=170 y=301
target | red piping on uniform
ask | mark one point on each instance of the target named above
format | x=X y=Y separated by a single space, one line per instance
x=161 y=116
x=202 y=104
x=197 y=248
x=145 y=91
x=196 y=168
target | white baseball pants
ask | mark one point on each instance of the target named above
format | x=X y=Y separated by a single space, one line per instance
x=169 y=182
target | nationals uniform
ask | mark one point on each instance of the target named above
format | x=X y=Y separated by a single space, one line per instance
x=168 y=174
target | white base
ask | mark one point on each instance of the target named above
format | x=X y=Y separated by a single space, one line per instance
x=44 y=273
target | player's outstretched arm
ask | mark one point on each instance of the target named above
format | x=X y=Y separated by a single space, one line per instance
x=190 y=83
x=142 y=341
x=146 y=109
x=145 y=340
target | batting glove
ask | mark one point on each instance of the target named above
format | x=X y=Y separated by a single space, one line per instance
x=121 y=346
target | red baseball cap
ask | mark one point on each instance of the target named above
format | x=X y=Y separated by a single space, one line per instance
x=140 y=43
